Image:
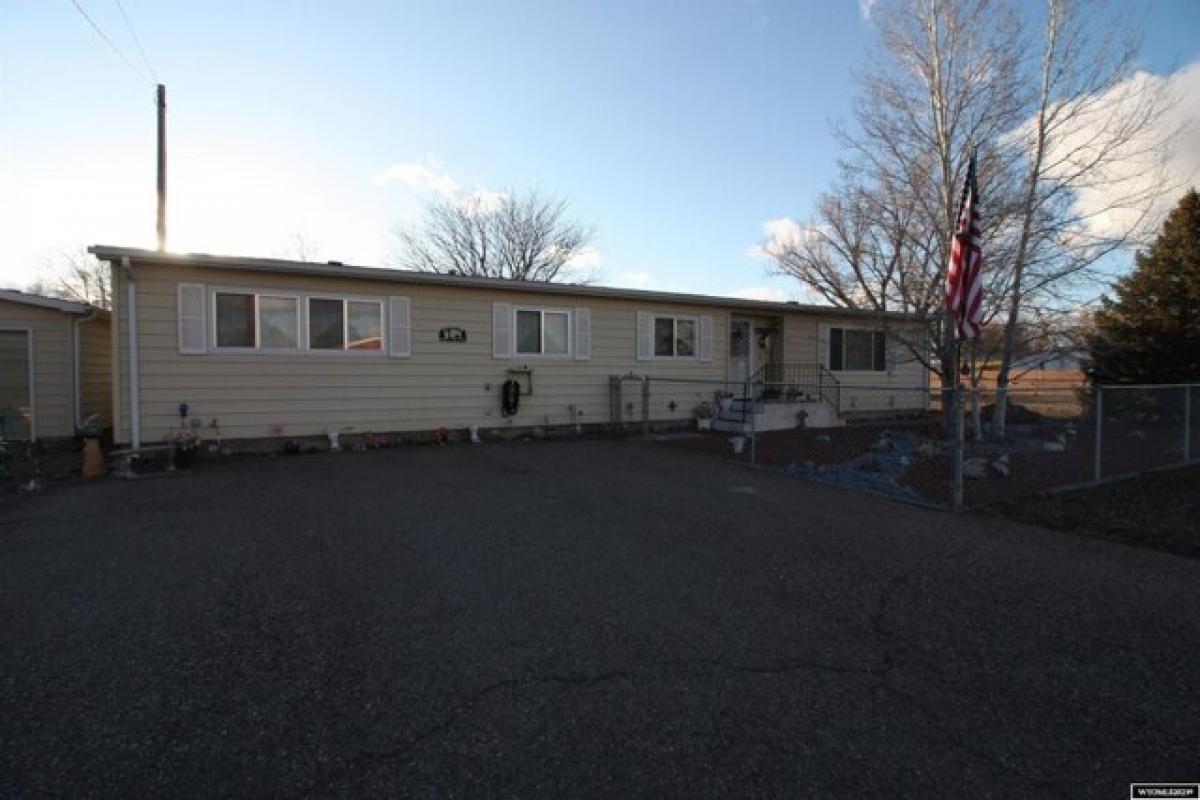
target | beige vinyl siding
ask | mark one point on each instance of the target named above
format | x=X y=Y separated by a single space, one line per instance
x=95 y=369
x=800 y=339
x=903 y=387
x=15 y=388
x=119 y=332
x=53 y=365
x=440 y=384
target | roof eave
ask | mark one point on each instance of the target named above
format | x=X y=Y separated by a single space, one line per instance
x=48 y=303
x=338 y=270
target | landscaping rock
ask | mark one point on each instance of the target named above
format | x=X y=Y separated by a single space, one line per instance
x=1054 y=447
x=975 y=468
x=1000 y=466
x=883 y=443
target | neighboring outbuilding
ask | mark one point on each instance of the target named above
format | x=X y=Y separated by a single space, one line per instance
x=265 y=348
x=55 y=366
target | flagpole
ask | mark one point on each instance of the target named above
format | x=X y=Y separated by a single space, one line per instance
x=960 y=312
x=959 y=428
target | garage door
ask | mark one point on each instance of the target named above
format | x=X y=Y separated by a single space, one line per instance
x=16 y=411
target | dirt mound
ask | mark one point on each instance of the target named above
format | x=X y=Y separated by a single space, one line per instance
x=1015 y=413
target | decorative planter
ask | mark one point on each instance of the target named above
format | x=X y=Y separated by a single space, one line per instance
x=738 y=443
x=703 y=424
x=725 y=403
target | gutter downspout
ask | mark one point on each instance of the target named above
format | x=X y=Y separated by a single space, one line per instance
x=75 y=345
x=135 y=420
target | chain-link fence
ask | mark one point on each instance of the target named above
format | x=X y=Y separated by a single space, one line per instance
x=657 y=404
x=1042 y=440
x=903 y=441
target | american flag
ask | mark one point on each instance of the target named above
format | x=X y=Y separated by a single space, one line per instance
x=964 y=278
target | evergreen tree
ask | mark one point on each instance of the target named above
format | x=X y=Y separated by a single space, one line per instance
x=1151 y=332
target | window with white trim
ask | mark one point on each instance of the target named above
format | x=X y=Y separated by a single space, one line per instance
x=675 y=337
x=254 y=321
x=857 y=349
x=542 y=331
x=337 y=323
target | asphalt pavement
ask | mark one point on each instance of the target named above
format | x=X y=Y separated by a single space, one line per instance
x=591 y=618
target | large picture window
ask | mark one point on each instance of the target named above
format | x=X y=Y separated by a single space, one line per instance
x=543 y=332
x=339 y=324
x=674 y=337
x=857 y=349
x=246 y=320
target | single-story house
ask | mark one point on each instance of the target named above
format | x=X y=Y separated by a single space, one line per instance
x=55 y=366
x=262 y=348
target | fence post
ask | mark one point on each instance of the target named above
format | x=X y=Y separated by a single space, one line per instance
x=753 y=435
x=613 y=404
x=645 y=406
x=1187 y=423
x=1099 y=439
x=959 y=446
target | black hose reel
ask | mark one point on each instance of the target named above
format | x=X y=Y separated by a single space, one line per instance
x=510 y=397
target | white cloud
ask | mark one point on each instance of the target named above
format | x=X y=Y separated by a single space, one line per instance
x=426 y=176
x=429 y=176
x=864 y=8
x=587 y=258
x=1143 y=168
x=767 y=293
x=780 y=234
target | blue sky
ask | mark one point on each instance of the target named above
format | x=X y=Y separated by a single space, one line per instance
x=677 y=129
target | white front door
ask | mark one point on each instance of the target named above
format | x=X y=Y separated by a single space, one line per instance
x=741 y=351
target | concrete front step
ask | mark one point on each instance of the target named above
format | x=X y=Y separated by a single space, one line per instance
x=778 y=416
x=730 y=426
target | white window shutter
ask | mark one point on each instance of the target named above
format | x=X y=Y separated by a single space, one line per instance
x=583 y=334
x=502 y=330
x=706 y=338
x=193 y=330
x=645 y=336
x=823 y=345
x=400 y=345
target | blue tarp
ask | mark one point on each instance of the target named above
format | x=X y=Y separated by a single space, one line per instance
x=877 y=471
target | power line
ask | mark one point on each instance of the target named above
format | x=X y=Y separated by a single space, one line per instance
x=109 y=42
x=136 y=40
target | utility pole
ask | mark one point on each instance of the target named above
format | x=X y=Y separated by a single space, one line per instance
x=162 y=167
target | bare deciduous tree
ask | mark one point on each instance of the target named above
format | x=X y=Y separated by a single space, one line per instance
x=1087 y=150
x=76 y=275
x=524 y=237
x=301 y=246
x=1051 y=128
x=944 y=79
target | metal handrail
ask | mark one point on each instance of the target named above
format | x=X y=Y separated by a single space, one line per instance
x=802 y=377
x=835 y=388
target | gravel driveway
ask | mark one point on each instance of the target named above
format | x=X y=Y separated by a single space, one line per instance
x=584 y=618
